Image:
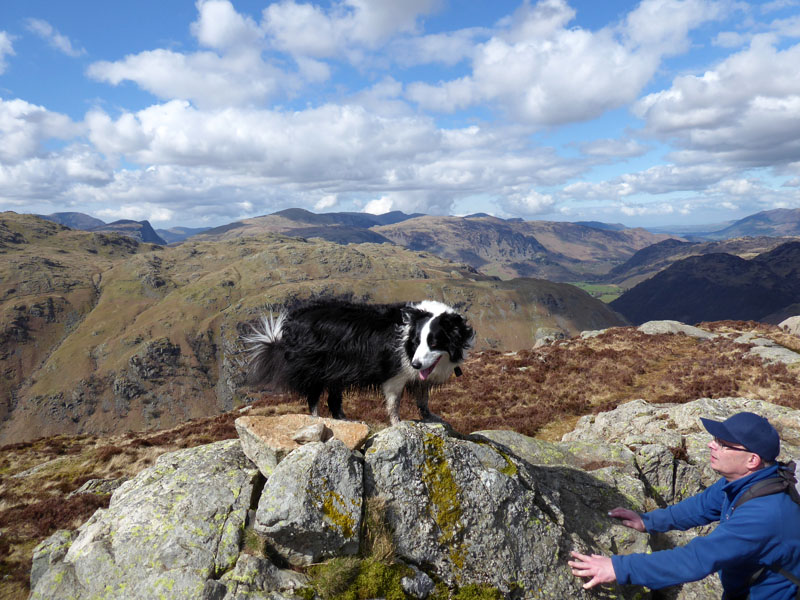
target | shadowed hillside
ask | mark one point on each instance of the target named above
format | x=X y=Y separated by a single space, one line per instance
x=718 y=286
x=651 y=260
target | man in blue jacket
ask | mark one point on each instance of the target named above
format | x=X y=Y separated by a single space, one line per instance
x=762 y=532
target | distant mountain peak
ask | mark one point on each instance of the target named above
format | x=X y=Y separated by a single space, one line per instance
x=139 y=230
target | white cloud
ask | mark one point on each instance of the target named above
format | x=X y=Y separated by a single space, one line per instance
x=444 y=48
x=661 y=179
x=632 y=209
x=206 y=78
x=385 y=161
x=6 y=49
x=137 y=212
x=743 y=112
x=220 y=26
x=24 y=127
x=232 y=72
x=379 y=206
x=611 y=149
x=528 y=204
x=544 y=72
x=326 y=202
x=58 y=41
x=308 y=30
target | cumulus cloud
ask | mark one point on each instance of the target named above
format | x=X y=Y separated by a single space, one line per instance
x=231 y=71
x=153 y=213
x=25 y=126
x=308 y=30
x=523 y=67
x=378 y=161
x=220 y=26
x=528 y=204
x=207 y=78
x=743 y=112
x=57 y=40
x=661 y=179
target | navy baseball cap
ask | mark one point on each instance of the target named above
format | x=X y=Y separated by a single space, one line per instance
x=749 y=430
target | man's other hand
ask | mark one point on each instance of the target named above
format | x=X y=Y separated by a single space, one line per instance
x=629 y=518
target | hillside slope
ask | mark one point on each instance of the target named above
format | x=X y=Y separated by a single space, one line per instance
x=777 y=222
x=154 y=340
x=50 y=279
x=713 y=287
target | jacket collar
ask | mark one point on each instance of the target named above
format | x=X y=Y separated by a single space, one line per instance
x=732 y=489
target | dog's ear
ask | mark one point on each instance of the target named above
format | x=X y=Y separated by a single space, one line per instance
x=410 y=314
x=460 y=335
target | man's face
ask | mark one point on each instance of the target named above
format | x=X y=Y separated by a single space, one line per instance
x=732 y=461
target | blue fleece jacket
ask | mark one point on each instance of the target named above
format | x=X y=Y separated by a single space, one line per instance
x=761 y=532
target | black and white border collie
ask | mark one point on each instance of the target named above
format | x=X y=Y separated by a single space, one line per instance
x=334 y=344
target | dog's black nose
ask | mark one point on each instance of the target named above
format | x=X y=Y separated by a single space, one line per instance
x=416 y=364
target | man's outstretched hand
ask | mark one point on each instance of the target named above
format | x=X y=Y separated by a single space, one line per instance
x=629 y=518
x=598 y=567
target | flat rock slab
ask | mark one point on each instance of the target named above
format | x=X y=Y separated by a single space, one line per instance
x=267 y=440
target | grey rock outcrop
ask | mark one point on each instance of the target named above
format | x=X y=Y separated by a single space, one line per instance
x=166 y=532
x=310 y=508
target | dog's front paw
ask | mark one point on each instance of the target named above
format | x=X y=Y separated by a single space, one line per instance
x=430 y=417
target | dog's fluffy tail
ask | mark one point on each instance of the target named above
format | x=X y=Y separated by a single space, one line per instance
x=266 y=354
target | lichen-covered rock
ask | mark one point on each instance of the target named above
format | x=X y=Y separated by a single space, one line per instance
x=678 y=427
x=254 y=577
x=581 y=454
x=166 y=531
x=311 y=505
x=471 y=512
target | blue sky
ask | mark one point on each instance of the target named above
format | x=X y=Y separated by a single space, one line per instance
x=663 y=112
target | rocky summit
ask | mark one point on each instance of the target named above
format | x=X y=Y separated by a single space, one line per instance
x=493 y=513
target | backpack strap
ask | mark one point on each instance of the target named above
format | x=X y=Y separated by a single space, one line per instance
x=784 y=482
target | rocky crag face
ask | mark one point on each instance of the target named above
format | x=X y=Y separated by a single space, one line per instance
x=494 y=512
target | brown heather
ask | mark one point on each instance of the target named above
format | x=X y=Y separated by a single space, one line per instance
x=538 y=392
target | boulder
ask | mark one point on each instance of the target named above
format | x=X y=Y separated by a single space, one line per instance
x=268 y=440
x=791 y=325
x=469 y=511
x=166 y=531
x=310 y=508
x=660 y=327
